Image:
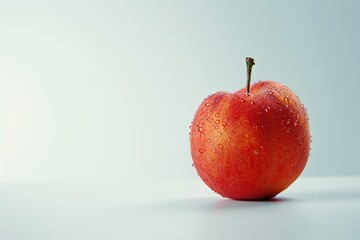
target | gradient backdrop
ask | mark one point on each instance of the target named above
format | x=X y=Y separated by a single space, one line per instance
x=106 y=90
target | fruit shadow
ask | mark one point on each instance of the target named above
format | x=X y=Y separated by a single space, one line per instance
x=223 y=204
x=220 y=203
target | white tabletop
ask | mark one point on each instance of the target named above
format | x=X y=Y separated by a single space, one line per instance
x=312 y=208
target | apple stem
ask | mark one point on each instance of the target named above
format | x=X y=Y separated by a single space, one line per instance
x=249 y=64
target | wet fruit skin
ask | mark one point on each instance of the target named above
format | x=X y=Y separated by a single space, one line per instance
x=250 y=146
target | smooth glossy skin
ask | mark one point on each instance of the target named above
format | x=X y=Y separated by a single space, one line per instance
x=250 y=146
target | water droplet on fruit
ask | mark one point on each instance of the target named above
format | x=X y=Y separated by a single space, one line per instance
x=246 y=121
x=234 y=130
x=208 y=140
x=247 y=135
x=255 y=127
x=201 y=151
x=252 y=102
x=228 y=139
x=266 y=110
x=200 y=129
x=219 y=134
x=256 y=152
x=217 y=115
x=224 y=124
x=235 y=116
x=217 y=121
x=207 y=104
x=208 y=119
x=242 y=100
x=220 y=145
x=261 y=147
x=215 y=138
x=270 y=92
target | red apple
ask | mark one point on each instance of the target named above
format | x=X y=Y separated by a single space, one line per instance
x=251 y=144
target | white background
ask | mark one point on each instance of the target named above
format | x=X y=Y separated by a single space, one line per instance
x=106 y=90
